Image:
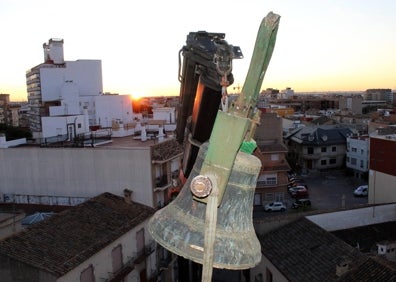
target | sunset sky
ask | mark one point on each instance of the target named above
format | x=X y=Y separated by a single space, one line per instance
x=322 y=45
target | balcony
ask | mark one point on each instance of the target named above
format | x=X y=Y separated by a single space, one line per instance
x=162 y=183
x=129 y=265
x=122 y=272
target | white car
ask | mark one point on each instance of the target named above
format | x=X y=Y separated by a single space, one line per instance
x=275 y=206
x=361 y=191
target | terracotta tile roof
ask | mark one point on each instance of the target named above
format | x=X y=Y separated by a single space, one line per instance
x=303 y=251
x=65 y=240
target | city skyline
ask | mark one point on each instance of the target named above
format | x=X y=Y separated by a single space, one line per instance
x=321 y=45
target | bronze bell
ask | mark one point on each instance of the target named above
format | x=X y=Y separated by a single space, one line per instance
x=179 y=226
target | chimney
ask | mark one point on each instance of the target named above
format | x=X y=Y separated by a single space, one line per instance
x=128 y=196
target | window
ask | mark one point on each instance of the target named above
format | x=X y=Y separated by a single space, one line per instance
x=310 y=150
x=274 y=157
x=271 y=180
x=87 y=275
x=334 y=149
x=353 y=161
x=361 y=163
x=323 y=149
x=362 y=151
x=354 y=150
x=116 y=258
x=140 y=240
x=267 y=179
x=332 y=161
x=268 y=275
x=323 y=162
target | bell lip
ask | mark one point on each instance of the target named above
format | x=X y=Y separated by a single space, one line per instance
x=255 y=259
x=215 y=265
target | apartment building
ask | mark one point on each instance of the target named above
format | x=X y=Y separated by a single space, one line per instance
x=351 y=104
x=318 y=147
x=66 y=98
x=272 y=181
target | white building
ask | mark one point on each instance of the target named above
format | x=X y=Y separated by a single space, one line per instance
x=287 y=93
x=66 y=97
x=69 y=176
x=357 y=155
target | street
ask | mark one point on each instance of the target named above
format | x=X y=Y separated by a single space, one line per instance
x=333 y=190
x=327 y=190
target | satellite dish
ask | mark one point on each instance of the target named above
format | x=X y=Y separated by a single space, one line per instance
x=324 y=138
x=311 y=137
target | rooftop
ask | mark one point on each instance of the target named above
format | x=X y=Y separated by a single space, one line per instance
x=319 y=135
x=63 y=241
x=303 y=251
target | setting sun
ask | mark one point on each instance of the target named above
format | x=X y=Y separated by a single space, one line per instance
x=136 y=96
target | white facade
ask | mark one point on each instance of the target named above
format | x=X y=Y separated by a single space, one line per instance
x=76 y=172
x=69 y=176
x=84 y=75
x=111 y=108
x=75 y=101
x=53 y=51
x=69 y=126
x=69 y=89
x=357 y=156
x=286 y=93
x=165 y=113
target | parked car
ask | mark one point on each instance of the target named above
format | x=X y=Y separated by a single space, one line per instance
x=298 y=192
x=297 y=183
x=301 y=203
x=361 y=191
x=275 y=206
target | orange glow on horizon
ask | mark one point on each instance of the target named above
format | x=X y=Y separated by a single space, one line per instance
x=136 y=96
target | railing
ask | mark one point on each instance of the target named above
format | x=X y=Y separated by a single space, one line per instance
x=150 y=248
x=123 y=271
x=264 y=183
x=128 y=266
